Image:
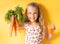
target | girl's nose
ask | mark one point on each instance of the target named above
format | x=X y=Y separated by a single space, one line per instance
x=32 y=15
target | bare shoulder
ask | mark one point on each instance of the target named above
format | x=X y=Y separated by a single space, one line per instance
x=25 y=24
x=22 y=25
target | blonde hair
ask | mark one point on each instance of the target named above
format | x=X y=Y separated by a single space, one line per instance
x=40 y=16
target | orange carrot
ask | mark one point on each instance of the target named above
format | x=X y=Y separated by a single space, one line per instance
x=13 y=24
x=17 y=24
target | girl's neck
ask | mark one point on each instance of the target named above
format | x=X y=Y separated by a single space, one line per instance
x=33 y=23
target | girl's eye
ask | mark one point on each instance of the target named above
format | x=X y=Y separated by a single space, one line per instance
x=29 y=12
x=35 y=12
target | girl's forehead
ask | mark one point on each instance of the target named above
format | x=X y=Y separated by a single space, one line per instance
x=32 y=8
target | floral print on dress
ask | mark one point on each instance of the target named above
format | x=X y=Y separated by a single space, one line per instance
x=33 y=35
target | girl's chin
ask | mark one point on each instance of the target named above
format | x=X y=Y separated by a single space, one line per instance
x=32 y=21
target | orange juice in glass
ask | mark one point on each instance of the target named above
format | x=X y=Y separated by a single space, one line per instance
x=51 y=28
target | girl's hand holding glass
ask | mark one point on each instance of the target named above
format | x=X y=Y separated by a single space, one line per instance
x=51 y=29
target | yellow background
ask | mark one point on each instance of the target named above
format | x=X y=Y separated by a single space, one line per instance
x=51 y=12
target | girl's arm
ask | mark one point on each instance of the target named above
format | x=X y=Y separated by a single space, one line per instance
x=18 y=25
x=44 y=32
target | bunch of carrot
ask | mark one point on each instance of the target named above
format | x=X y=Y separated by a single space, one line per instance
x=13 y=25
x=15 y=18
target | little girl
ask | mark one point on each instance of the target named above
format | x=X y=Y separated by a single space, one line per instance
x=33 y=25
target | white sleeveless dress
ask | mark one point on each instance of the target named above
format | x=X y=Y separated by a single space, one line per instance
x=33 y=34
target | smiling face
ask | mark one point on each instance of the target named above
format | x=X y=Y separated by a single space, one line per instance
x=32 y=13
